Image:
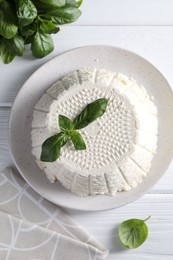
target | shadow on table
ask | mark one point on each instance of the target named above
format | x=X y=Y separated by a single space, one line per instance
x=116 y=245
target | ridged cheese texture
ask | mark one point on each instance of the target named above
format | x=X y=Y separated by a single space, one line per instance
x=120 y=145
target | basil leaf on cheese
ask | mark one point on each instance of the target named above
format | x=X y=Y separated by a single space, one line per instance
x=65 y=123
x=51 y=148
x=90 y=113
x=77 y=140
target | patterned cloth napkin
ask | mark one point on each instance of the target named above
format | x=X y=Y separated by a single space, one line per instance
x=32 y=228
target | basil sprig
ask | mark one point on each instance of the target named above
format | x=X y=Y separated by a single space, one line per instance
x=133 y=232
x=51 y=148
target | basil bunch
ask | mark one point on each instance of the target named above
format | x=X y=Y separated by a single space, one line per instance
x=51 y=148
x=32 y=22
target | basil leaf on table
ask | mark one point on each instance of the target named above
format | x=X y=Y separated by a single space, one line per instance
x=41 y=45
x=63 y=15
x=77 y=140
x=51 y=148
x=65 y=123
x=8 y=21
x=133 y=232
x=90 y=113
x=26 y=12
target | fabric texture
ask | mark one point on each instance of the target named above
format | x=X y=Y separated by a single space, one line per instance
x=32 y=228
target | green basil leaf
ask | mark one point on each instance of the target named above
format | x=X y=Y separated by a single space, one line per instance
x=74 y=3
x=77 y=140
x=42 y=45
x=17 y=44
x=63 y=15
x=7 y=54
x=29 y=39
x=65 y=123
x=51 y=148
x=48 y=27
x=90 y=113
x=28 y=30
x=26 y=12
x=8 y=21
x=133 y=232
x=43 y=6
x=55 y=3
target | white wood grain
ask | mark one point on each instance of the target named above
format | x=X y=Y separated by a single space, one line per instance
x=126 y=12
x=154 y=43
x=104 y=226
x=5 y=157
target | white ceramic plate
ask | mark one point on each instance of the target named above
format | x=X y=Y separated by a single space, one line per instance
x=102 y=57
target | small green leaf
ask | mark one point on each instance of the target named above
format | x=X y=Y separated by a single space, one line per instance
x=133 y=232
x=55 y=3
x=26 y=12
x=7 y=54
x=8 y=21
x=77 y=140
x=90 y=113
x=42 y=45
x=48 y=27
x=51 y=148
x=63 y=15
x=29 y=39
x=74 y=3
x=29 y=30
x=17 y=44
x=65 y=123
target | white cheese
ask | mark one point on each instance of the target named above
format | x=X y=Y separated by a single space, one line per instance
x=120 y=144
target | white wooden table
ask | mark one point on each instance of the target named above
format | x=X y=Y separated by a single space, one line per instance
x=145 y=27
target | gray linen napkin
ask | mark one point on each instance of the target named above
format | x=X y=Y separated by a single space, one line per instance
x=32 y=228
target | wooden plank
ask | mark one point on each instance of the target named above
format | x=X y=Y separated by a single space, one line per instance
x=104 y=226
x=164 y=185
x=154 y=43
x=126 y=12
x=5 y=157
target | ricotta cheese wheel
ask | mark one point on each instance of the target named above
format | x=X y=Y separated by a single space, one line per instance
x=120 y=145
